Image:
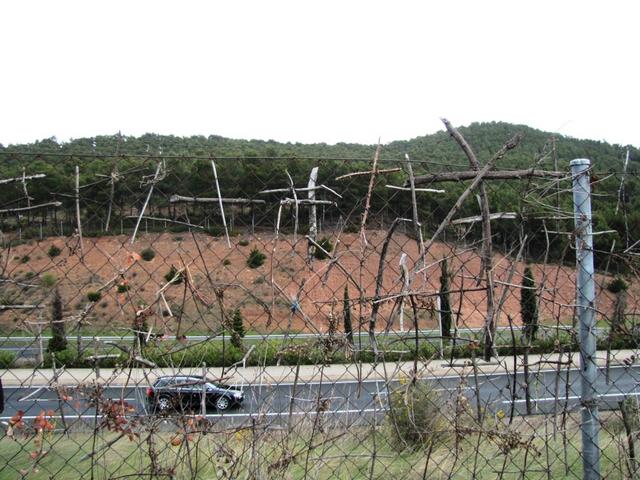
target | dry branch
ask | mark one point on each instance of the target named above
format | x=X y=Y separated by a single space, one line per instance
x=32 y=207
x=358 y=174
x=112 y=191
x=494 y=175
x=22 y=178
x=301 y=189
x=26 y=191
x=146 y=202
x=224 y=221
x=486 y=235
x=296 y=203
x=232 y=201
x=407 y=189
x=306 y=201
x=414 y=208
x=78 y=221
x=169 y=220
x=313 y=221
x=493 y=216
x=19 y=307
x=379 y=278
x=511 y=144
x=367 y=206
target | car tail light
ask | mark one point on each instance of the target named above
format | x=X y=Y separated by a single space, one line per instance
x=149 y=392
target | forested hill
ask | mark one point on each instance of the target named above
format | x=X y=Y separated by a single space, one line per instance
x=253 y=165
x=485 y=138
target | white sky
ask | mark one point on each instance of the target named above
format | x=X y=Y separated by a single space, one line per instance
x=320 y=71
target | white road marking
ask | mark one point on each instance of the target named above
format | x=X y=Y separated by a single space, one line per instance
x=572 y=397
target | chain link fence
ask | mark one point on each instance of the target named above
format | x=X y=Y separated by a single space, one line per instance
x=202 y=317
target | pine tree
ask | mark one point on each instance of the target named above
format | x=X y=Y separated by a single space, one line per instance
x=238 y=328
x=445 y=301
x=529 y=306
x=58 y=341
x=348 y=327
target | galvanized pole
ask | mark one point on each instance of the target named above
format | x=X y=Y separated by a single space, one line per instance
x=585 y=293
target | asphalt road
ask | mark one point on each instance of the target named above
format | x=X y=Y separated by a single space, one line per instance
x=348 y=399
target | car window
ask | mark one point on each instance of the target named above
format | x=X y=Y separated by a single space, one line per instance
x=220 y=386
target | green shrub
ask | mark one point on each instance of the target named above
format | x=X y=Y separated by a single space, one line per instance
x=58 y=340
x=67 y=357
x=54 y=251
x=48 y=280
x=172 y=276
x=445 y=300
x=617 y=285
x=244 y=242
x=94 y=296
x=415 y=416
x=346 y=315
x=529 y=306
x=25 y=259
x=327 y=245
x=256 y=258
x=226 y=262
x=123 y=287
x=238 y=328
x=148 y=254
x=6 y=358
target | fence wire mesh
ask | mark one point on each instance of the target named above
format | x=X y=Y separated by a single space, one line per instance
x=202 y=317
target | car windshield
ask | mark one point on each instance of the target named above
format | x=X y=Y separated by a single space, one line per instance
x=219 y=386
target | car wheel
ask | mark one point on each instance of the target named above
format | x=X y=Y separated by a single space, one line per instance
x=163 y=404
x=222 y=403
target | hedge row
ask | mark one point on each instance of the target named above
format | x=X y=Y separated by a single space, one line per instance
x=277 y=352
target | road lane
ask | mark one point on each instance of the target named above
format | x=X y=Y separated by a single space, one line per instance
x=348 y=397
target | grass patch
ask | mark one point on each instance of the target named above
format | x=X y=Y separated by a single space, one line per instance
x=336 y=452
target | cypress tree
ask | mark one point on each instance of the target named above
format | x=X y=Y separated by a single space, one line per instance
x=58 y=340
x=529 y=306
x=348 y=327
x=445 y=301
x=238 y=328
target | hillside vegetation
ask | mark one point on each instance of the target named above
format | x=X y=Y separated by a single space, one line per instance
x=247 y=166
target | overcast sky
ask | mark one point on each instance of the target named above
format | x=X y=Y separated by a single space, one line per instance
x=323 y=71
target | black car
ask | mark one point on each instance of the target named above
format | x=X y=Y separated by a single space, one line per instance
x=184 y=394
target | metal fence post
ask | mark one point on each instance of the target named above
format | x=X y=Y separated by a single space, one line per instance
x=585 y=296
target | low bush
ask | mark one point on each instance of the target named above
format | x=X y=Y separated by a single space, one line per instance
x=256 y=258
x=617 y=285
x=415 y=416
x=48 y=280
x=70 y=359
x=94 y=296
x=6 y=358
x=172 y=276
x=327 y=245
x=54 y=251
x=25 y=259
x=147 y=254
